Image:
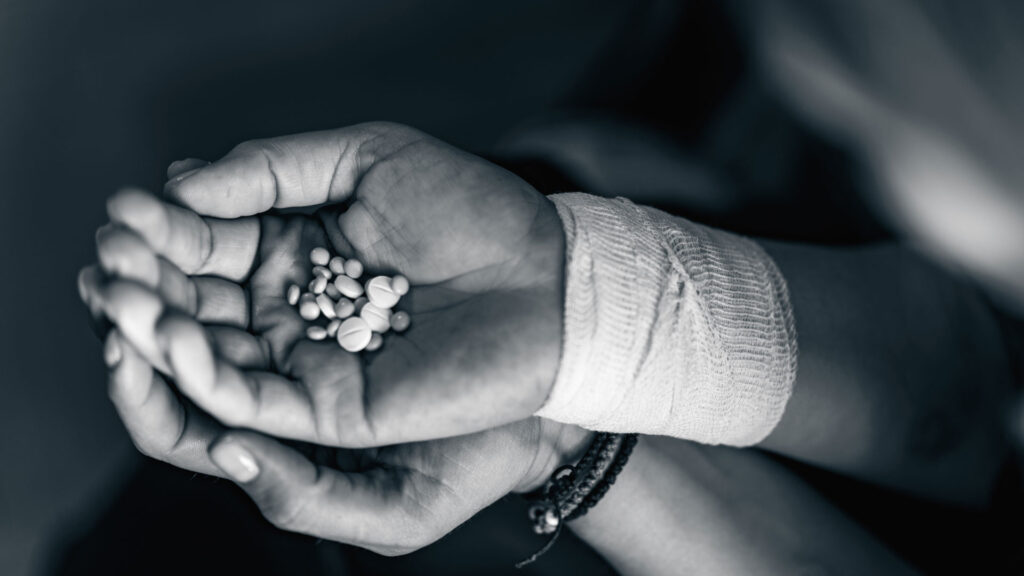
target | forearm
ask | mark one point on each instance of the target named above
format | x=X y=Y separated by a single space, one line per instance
x=902 y=372
x=684 y=508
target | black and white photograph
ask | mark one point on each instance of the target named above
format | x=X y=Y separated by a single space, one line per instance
x=538 y=288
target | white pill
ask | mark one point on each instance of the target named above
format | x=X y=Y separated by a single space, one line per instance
x=400 y=284
x=308 y=308
x=379 y=291
x=359 y=303
x=400 y=321
x=293 y=294
x=326 y=306
x=378 y=318
x=354 y=334
x=337 y=265
x=344 y=308
x=318 y=285
x=316 y=332
x=375 y=341
x=332 y=327
x=322 y=271
x=320 y=256
x=348 y=287
x=332 y=291
x=353 y=268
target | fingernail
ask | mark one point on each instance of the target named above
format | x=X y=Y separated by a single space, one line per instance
x=112 y=350
x=235 y=461
x=188 y=174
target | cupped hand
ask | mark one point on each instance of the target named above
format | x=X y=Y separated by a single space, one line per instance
x=483 y=251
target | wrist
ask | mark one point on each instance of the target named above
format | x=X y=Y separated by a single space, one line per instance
x=556 y=445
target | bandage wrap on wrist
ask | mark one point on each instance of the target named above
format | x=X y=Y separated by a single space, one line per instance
x=671 y=328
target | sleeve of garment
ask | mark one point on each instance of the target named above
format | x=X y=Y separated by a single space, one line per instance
x=671 y=328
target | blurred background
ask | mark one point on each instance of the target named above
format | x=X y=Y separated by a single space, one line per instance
x=828 y=122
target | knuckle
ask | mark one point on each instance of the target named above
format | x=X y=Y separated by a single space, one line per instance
x=283 y=510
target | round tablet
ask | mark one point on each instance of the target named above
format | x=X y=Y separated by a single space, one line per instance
x=378 y=318
x=337 y=265
x=400 y=284
x=375 y=341
x=353 y=268
x=344 y=308
x=320 y=256
x=349 y=287
x=400 y=321
x=308 y=308
x=354 y=334
x=380 y=293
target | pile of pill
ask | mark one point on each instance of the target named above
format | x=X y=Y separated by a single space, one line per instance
x=355 y=314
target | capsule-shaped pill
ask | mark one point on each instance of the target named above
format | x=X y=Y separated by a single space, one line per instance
x=379 y=319
x=316 y=333
x=318 y=285
x=332 y=291
x=359 y=303
x=380 y=293
x=400 y=284
x=375 y=341
x=308 y=308
x=344 y=308
x=348 y=287
x=400 y=321
x=322 y=271
x=353 y=268
x=326 y=306
x=293 y=294
x=332 y=327
x=319 y=256
x=337 y=265
x=354 y=334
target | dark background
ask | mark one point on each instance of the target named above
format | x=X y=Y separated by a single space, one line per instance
x=97 y=95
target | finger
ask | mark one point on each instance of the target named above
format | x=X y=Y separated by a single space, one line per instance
x=89 y=281
x=363 y=509
x=199 y=246
x=160 y=425
x=135 y=310
x=179 y=167
x=263 y=401
x=301 y=170
x=240 y=348
x=125 y=254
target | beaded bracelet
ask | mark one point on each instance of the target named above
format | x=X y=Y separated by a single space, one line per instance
x=573 y=490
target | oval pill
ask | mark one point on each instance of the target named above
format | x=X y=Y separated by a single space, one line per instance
x=400 y=285
x=308 y=308
x=354 y=334
x=353 y=268
x=326 y=306
x=337 y=265
x=400 y=321
x=348 y=287
x=319 y=256
x=379 y=292
x=322 y=271
x=332 y=291
x=332 y=327
x=316 y=332
x=318 y=285
x=293 y=294
x=344 y=308
x=379 y=319
x=375 y=341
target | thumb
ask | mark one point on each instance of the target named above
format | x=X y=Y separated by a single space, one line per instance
x=303 y=170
